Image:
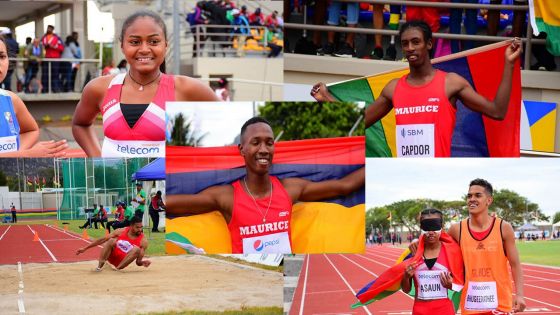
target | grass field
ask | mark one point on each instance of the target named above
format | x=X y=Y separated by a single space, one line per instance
x=540 y=252
x=156 y=241
x=243 y=311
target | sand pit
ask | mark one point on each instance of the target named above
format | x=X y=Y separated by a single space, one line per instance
x=170 y=283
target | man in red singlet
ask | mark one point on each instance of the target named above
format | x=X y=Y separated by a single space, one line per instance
x=123 y=246
x=258 y=207
x=424 y=100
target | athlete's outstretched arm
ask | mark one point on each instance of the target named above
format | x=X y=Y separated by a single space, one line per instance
x=304 y=190
x=213 y=198
x=99 y=241
x=382 y=105
x=513 y=257
x=85 y=114
x=496 y=109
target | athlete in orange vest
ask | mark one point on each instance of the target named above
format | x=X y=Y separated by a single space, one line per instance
x=488 y=244
x=123 y=246
x=425 y=98
x=258 y=207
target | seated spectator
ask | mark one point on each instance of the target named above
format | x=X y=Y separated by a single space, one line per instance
x=90 y=217
x=101 y=217
x=257 y=18
x=272 y=19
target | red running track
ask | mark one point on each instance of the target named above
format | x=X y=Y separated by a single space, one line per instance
x=54 y=245
x=327 y=284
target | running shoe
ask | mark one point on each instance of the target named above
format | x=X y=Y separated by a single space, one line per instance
x=346 y=51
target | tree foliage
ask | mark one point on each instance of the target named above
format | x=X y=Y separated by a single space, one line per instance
x=507 y=204
x=515 y=208
x=556 y=217
x=306 y=120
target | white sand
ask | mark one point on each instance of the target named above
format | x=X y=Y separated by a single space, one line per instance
x=170 y=283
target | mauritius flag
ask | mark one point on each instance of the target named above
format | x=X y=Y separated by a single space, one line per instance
x=545 y=17
x=389 y=281
x=328 y=226
x=474 y=135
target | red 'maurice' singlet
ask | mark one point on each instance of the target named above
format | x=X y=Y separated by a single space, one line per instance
x=249 y=234
x=425 y=118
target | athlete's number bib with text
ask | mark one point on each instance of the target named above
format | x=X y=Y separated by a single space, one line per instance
x=415 y=140
x=481 y=296
x=429 y=285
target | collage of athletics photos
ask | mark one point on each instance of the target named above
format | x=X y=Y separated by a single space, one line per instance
x=267 y=157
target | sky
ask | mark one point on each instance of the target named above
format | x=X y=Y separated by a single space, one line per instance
x=101 y=26
x=390 y=180
x=220 y=121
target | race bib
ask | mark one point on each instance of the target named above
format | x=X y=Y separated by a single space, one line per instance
x=277 y=243
x=415 y=140
x=481 y=296
x=8 y=144
x=429 y=285
x=124 y=246
x=114 y=148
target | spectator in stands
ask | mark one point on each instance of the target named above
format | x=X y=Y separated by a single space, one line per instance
x=426 y=14
x=455 y=19
x=75 y=65
x=156 y=206
x=257 y=18
x=70 y=52
x=242 y=30
x=197 y=18
x=122 y=66
x=377 y=52
x=347 y=50
x=110 y=68
x=222 y=92
x=32 y=52
x=273 y=41
x=244 y=11
x=272 y=20
x=13 y=49
x=227 y=4
x=54 y=47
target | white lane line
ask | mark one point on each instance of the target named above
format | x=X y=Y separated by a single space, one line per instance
x=346 y=282
x=526 y=298
x=71 y=235
x=45 y=246
x=9 y=226
x=534 y=286
x=545 y=279
x=304 y=285
x=21 y=306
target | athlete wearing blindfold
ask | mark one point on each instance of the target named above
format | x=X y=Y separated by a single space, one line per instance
x=432 y=275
